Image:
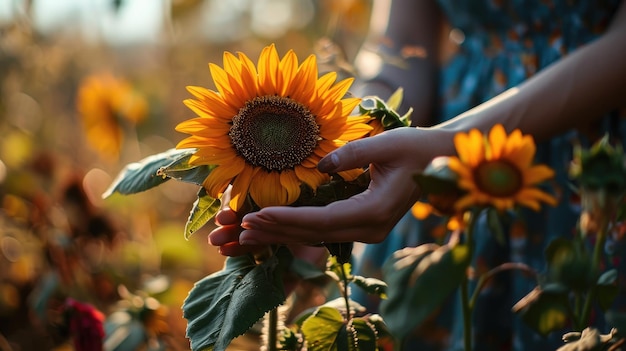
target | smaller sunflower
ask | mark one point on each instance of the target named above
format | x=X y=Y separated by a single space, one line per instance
x=105 y=103
x=497 y=170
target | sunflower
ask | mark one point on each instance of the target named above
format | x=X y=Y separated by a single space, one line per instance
x=106 y=103
x=497 y=170
x=267 y=126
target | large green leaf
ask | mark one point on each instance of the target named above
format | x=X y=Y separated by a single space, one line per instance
x=185 y=172
x=325 y=330
x=226 y=304
x=204 y=208
x=371 y=286
x=420 y=279
x=607 y=289
x=545 y=309
x=570 y=265
x=362 y=335
x=140 y=176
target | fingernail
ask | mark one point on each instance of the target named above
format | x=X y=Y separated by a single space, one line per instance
x=328 y=163
x=245 y=239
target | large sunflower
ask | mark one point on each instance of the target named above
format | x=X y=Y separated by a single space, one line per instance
x=497 y=170
x=267 y=126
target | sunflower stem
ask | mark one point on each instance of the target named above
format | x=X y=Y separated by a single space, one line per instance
x=597 y=257
x=501 y=268
x=272 y=330
x=465 y=300
x=346 y=295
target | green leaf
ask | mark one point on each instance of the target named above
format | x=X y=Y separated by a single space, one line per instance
x=607 y=289
x=181 y=170
x=226 y=304
x=395 y=100
x=338 y=270
x=325 y=330
x=342 y=251
x=140 y=176
x=204 y=208
x=362 y=335
x=385 y=112
x=544 y=309
x=420 y=279
x=570 y=265
x=371 y=285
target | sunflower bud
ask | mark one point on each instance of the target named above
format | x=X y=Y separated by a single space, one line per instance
x=601 y=174
x=439 y=183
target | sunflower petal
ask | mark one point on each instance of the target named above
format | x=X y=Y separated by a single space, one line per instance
x=266 y=189
x=287 y=68
x=497 y=141
x=303 y=86
x=539 y=195
x=211 y=105
x=241 y=185
x=421 y=210
x=220 y=177
x=268 y=70
x=351 y=174
x=311 y=176
x=216 y=155
x=537 y=174
x=291 y=184
x=521 y=151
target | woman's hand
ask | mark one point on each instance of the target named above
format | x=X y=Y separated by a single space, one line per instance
x=393 y=157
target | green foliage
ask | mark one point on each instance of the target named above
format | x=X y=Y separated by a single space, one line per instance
x=371 y=286
x=570 y=265
x=607 y=289
x=182 y=171
x=156 y=170
x=545 y=309
x=227 y=303
x=140 y=176
x=385 y=111
x=204 y=208
x=600 y=167
x=438 y=178
x=428 y=274
x=325 y=330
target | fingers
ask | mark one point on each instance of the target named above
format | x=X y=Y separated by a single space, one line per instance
x=362 y=152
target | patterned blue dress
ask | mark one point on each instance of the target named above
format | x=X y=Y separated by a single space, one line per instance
x=506 y=42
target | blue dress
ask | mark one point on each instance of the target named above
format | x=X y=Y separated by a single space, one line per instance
x=505 y=42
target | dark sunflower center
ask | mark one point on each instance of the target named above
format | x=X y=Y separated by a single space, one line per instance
x=274 y=132
x=498 y=178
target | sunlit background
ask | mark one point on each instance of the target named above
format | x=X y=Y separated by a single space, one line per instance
x=88 y=86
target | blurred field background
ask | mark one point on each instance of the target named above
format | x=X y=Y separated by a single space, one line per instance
x=87 y=86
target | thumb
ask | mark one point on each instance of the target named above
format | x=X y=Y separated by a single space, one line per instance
x=362 y=152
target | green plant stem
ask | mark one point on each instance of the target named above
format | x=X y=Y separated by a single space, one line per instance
x=465 y=302
x=346 y=296
x=272 y=330
x=467 y=314
x=597 y=257
x=501 y=268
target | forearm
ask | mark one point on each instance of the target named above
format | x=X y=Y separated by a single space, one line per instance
x=579 y=88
